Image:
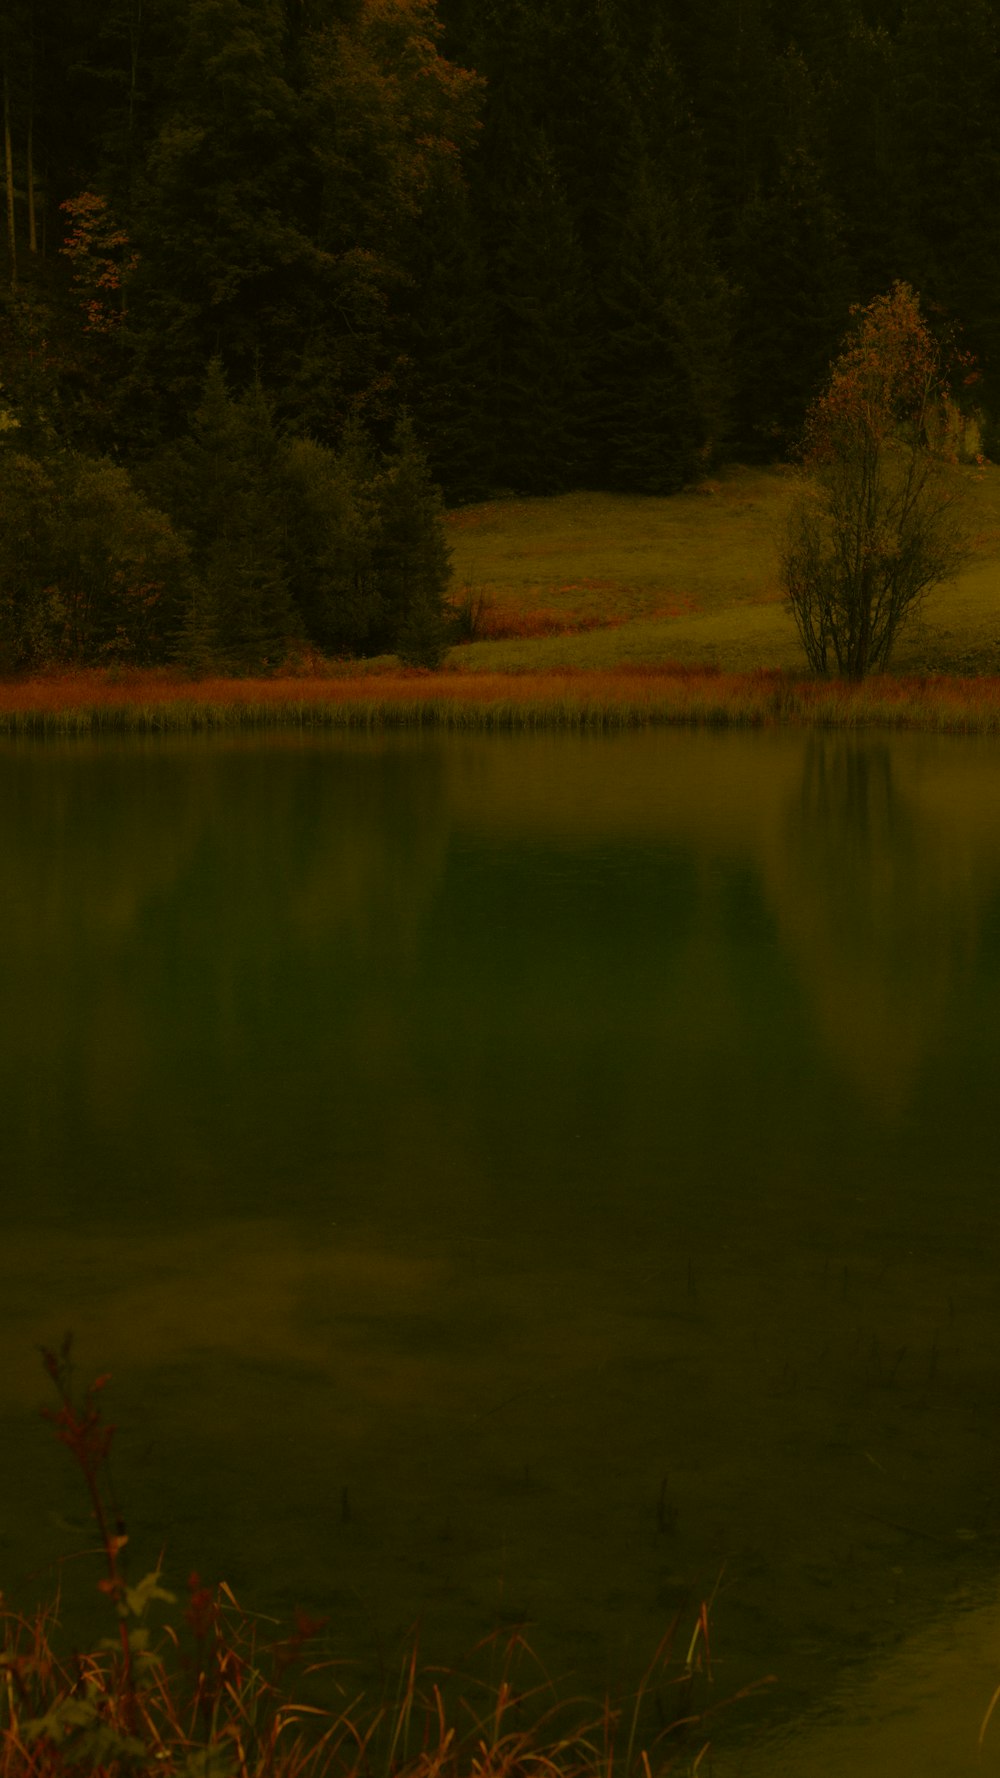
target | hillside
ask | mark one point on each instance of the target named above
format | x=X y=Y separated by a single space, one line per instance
x=593 y=580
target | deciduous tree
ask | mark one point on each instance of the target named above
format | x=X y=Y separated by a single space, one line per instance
x=876 y=527
x=90 y=572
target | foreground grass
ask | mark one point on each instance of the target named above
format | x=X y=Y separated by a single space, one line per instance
x=624 y=697
x=216 y=1695
x=220 y=1697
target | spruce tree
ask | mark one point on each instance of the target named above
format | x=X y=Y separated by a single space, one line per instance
x=796 y=281
x=449 y=339
x=225 y=481
x=730 y=81
x=658 y=364
x=331 y=517
x=536 y=374
x=412 y=559
x=866 y=170
x=946 y=93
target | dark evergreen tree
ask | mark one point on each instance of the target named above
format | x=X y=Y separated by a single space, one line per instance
x=658 y=365
x=225 y=483
x=796 y=281
x=449 y=341
x=537 y=181
x=310 y=199
x=411 y=556
x=947 y=98
x=730 y=71
x=866 y=162
x=215 y=206
x=331 y=520
x=535 y=375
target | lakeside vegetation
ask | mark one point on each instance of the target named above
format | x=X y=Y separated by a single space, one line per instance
x=594 y=611
x=225 y=1694
x=629 y=697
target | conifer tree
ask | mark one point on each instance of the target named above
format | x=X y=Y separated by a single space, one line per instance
x=214 y=220
x=226 y=486
x=866 y=162
x=450 y=336
x=731 y=88
x=796 y=285
x=536 y=375
x=946 y=92
x=331 y=517
x=658 y=367
x=412 y=559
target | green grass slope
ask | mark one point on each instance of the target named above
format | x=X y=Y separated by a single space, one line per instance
x=692 y=577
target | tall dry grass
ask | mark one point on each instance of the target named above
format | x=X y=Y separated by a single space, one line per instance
x=215 y=1696
x=218 y=1698
x=626 y=696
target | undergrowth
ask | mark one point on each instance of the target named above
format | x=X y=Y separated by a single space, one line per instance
x=215 y=1696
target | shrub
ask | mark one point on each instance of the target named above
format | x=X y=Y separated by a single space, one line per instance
x=89 y=572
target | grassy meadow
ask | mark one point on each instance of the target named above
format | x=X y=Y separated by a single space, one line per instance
x=593 y=609
x=606 y=580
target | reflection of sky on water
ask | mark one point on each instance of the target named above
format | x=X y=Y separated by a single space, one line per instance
x=490 y=1133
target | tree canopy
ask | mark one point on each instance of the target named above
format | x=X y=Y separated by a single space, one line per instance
x=596 y=244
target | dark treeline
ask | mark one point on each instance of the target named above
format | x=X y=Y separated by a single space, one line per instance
x=278 y=272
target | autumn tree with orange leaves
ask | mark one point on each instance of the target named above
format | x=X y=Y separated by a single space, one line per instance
x=876 y=527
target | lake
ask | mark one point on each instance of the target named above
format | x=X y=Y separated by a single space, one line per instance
x=542 y=1177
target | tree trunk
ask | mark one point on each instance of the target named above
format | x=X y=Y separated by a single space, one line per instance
x=29 y=171
x=8 y=157
x=32 y=232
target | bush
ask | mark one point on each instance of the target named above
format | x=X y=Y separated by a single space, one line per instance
x=89 y=572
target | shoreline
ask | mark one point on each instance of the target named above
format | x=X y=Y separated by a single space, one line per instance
x=153 y=700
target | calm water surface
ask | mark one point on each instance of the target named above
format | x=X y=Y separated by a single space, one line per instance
x=544 y=1177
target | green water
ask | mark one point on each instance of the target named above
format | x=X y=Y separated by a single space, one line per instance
x=526 y=1177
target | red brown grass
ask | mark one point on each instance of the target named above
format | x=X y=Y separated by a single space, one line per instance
x=635 y=693
x=212 y=1699
x=495 y=614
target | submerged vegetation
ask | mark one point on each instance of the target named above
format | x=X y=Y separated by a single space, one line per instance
x=216 y=1698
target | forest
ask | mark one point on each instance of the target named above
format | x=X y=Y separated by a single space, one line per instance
x=283 y=278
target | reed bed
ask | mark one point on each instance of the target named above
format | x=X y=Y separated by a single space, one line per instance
x=626 y=697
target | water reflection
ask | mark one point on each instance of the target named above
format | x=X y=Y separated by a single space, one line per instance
x=492 y=1134
x=864 y=888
